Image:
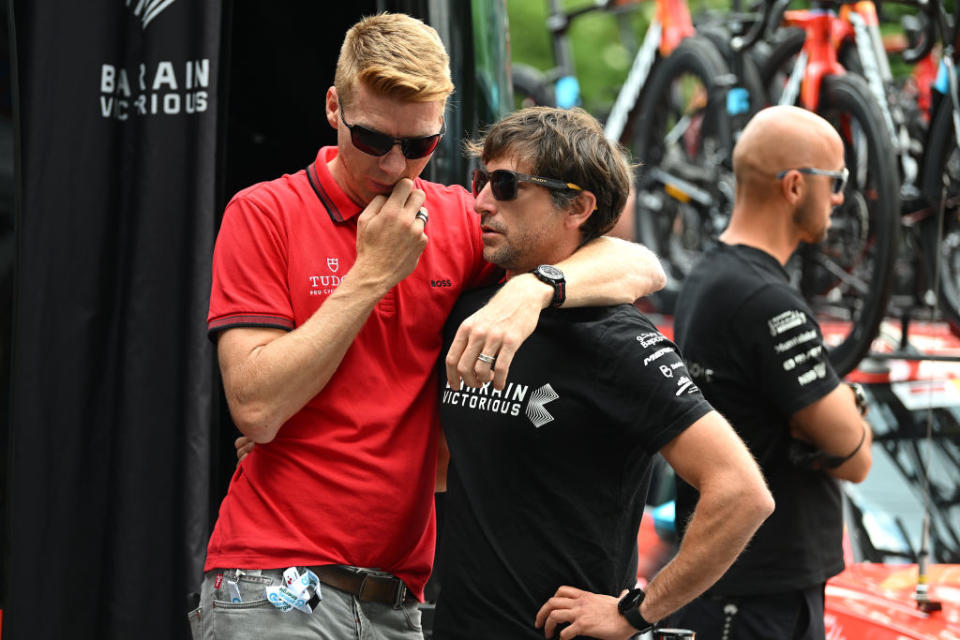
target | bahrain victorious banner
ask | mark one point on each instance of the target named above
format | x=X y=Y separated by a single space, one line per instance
x=113 y=377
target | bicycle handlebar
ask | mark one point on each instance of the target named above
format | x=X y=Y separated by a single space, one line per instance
x=928 y=13
x=925 y=44
x=772 y=14
x=559 y=21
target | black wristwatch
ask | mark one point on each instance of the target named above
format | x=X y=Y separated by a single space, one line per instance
x=554 y=277
x=629 y=608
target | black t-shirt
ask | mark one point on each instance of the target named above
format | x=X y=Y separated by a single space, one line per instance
x=548 y=478
x=752 y=345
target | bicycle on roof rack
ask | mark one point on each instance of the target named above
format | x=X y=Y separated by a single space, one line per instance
x=927 y=267
x=685 y=195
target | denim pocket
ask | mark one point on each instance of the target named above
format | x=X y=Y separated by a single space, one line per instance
x=413 y=615
x=252 y=591
x=196 y=627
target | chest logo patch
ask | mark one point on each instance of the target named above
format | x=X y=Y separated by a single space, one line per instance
x=507 y=402
x=536 y=410
x=323 y=285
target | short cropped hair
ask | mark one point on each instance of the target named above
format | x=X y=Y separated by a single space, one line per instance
x=569 y=145
x=395 y=55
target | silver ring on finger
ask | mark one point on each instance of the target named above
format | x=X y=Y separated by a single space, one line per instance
x=422 y=215
x=488 y=359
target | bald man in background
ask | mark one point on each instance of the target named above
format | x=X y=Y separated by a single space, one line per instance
x=753 y=346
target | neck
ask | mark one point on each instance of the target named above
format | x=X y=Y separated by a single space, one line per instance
x=338 y=172
x=762 y=229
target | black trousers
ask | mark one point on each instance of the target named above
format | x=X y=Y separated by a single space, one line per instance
x=794 y=615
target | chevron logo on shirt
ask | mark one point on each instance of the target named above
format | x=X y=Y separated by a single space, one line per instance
x=538 y=415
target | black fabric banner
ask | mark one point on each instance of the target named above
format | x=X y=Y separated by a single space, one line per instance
x=113 y=374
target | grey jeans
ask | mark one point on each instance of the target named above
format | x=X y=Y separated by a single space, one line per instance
x=339 y=616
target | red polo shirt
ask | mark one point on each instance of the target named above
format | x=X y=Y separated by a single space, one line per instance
x=349 y=479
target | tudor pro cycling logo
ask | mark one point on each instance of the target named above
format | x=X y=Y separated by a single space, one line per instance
x=147 y=10
x=508 y=402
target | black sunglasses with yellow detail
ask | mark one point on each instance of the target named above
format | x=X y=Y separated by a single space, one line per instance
x=378 y=144
x=505 y=183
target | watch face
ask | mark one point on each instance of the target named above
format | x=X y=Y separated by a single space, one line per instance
x=631 y=600
x=550 y=271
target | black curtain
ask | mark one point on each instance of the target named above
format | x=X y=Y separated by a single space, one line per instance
x=135 y=121
x=108 y=503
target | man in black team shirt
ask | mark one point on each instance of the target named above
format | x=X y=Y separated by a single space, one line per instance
x=755 y=350
x=548 y=476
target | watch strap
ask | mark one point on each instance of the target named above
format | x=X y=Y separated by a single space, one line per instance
x=636 y=620
x=559 y=284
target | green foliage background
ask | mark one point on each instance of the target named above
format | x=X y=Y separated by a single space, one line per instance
x=601 y=59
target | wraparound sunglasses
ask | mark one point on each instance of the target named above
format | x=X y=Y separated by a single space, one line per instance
x=379 y=144
x=505 y=184
x=839 y=177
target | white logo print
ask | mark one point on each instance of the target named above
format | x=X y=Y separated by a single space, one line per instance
x=538 y=415
x=666 y=371
x=333 y=264
x=147 y=10
x=785 y=321
x=685 y=384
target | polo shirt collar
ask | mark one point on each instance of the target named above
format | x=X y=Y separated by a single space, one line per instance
x=338 y=204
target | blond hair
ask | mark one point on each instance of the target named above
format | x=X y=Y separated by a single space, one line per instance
x=395 y=55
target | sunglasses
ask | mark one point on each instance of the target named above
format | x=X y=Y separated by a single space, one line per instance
x=379 y=144
x=505 y=184
x=839 y=177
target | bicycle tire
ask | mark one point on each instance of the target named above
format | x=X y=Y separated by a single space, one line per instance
x=676 y=129
x=942 y=168
x=749 y=75
x=775 y=67
x=530 y=87
x=847 y=278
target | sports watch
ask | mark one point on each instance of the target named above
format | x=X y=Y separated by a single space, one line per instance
x=629 y=608
x=860 y=397
x=554 y=277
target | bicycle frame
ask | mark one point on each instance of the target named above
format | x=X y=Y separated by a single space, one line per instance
x=862 y=19
x=858 y=24
x=817 y=59
x=670 y=25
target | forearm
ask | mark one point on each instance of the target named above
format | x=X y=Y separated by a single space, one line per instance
x=857 y=466
x=833 y=425
x=275 y=380
x=608 y=271
x=720 y=528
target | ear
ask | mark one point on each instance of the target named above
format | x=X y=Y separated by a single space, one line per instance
x=792 y=187
x=580 y=210
x=333 y=108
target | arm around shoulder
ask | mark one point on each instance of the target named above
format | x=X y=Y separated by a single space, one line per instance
x=609 y=271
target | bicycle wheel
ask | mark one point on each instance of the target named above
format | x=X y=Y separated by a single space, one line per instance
x=749 y=73
x=684 y=190
x=530 y=87
x=846 y=278
x=777 y=65
x=941 y=179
